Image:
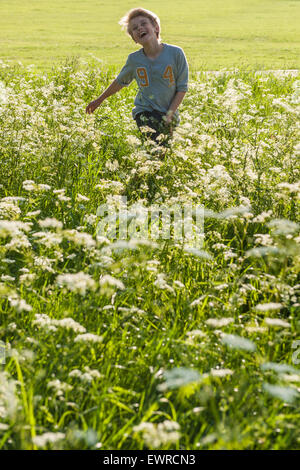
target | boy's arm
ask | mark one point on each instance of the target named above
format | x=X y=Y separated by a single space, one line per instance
x=113 y=88
x=178 y=97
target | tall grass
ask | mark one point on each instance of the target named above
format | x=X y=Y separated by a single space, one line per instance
x=148 y=344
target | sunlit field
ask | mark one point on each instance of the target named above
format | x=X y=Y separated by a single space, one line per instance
x=258 y=34
x=140 y=343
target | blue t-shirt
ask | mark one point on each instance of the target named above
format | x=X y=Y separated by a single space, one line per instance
x=158 y=79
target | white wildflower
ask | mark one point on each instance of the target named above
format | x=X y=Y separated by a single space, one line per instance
x=219 y=322
x=80 y=238
x=79 y=282
x=179 y=284
x=59 y=387
x=282 y=103
x=113 y=186
x=221 y=372
x=43 y=321
x=290 y=377
x=48 y=438
x=264 y=251
x=221 y=286
x=283 y=226
x=290 y=187
x=12 y=228
x=43 y=187
x=112 y=166
x=94 y=372
x=133 y=140
x=50 y=223
x=69 y=324
x=18 y=242
x=193 y=334
x=20 y=305
x=178 y=377
x=90 y=219
x=30 y=185
x=256 y=329
x=8 y=261
x=277 y=322
x=279 y=368
x=157 y=435
x=90 y=375
x=75 y=373
x=88 y=338
x=196 y=302
x=6 y=278
x=297 y=149
x=286 y=394
x=81 y=198
x=27 y=278
x=232 y=96
x=268 y=306
x=264 y=239
x=232 y=212
x=107 y=280
x=237 y=342
x=9 y=210
x=33 y=213
x=8 y=397
x=4 y=95
x=262 y=217
x=61 y=197
x=196 y=252
x=161 y=283
x=44 y=263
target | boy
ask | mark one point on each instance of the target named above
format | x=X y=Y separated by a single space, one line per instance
x=161 y=72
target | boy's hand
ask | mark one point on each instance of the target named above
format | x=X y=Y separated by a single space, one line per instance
x=92 y=106
x=168 y=118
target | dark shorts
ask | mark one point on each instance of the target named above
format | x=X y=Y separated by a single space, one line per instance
x=154 y=120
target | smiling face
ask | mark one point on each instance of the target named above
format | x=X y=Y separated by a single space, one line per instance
x=142 y=29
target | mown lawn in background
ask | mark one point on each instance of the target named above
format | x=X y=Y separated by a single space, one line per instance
x=260 y=34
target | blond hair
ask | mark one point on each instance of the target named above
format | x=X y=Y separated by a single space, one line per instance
x=124 y=22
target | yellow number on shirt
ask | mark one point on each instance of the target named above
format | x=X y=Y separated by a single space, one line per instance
x=142 y=74
x=168 y=74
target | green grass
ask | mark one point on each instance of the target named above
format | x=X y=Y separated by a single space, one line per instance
x=164 y=314
x=259 y=34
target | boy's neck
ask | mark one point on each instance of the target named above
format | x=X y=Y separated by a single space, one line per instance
x=153 y=48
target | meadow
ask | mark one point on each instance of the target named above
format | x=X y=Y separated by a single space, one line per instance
x=258 y=34
x=149 y=343
x=140 y=343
